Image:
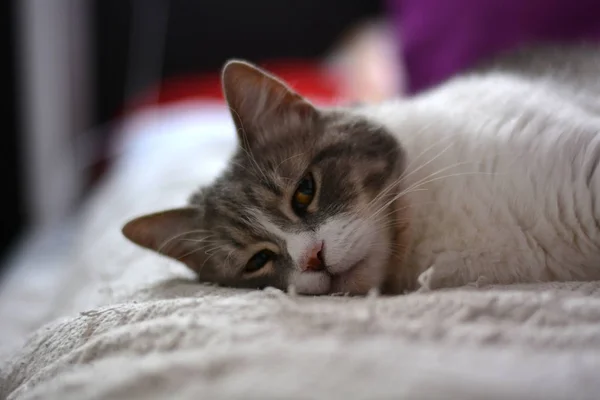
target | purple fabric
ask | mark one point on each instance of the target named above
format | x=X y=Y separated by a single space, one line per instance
x=443 y=37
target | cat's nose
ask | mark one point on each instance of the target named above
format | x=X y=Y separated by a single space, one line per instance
x=314 y=259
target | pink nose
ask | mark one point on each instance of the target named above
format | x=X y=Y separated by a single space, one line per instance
x=314 y=258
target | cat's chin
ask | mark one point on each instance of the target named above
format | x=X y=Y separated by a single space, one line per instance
x=357 y=279
x=311 y=283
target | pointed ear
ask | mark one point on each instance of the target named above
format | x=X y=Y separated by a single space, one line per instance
x=174 y=233
x=261 y=105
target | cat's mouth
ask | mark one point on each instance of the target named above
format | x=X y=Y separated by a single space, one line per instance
x=354 y=280
x=341 y=269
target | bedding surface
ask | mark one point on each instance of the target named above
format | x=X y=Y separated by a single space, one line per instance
x=129 y=324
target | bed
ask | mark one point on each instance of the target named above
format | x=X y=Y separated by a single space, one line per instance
x=124 y=323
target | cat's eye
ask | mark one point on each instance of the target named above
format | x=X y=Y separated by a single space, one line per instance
x=304 y=195
x=259 y=260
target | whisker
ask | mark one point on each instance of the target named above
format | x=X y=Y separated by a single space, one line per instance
x=170 y=240
x=213 y=249
x=382 y=217
x=415 y=158
x=247 y=143
x=289 y=158
x=434 y=173
x=228 y=255
x=201 y=240
x=197 y=250
x=404 y=173
x=204 y=263
x=421 y=182
x=424 y=182
x=251 y=171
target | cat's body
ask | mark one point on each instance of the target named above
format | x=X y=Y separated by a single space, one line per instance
x=494 y=175
x=507 y=165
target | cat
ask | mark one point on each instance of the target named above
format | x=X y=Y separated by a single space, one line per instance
x=492 y=175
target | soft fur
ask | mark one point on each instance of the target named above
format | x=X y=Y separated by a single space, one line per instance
x=493 y=176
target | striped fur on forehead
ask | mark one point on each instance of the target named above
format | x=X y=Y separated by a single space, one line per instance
x=267 y=130
x=355 y=155
x=337 y=135
x=288 y=150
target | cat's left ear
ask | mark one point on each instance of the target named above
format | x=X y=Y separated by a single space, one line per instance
x=262 y=105
x=173 y=233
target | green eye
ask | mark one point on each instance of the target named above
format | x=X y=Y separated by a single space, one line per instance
x=259 y=260
x=303 y=195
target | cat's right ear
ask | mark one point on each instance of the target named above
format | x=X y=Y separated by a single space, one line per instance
x=173 y=233
x=262 y=105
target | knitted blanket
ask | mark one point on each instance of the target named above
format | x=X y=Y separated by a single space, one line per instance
x=129 y=324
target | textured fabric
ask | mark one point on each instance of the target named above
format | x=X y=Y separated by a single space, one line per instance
x=132 y=325
x=226 y=344
x=441 y=38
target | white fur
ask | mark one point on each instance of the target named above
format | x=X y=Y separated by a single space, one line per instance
x=298 y=246
x=501 y=164
x=347 y=241
x=349 y=244
x=312 y=283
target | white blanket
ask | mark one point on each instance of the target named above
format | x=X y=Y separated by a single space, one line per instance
x=132 y=325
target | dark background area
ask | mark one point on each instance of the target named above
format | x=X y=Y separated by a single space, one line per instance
x=201 y=35
x=12 y=207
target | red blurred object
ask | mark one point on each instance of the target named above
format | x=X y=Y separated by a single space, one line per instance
x=317 y=83
x=307 y=78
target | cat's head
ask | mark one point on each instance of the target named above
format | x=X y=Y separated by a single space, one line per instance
x=308 y=199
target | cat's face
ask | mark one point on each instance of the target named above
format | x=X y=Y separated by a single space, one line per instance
x=308 y=200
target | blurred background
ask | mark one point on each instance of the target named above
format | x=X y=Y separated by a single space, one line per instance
x=79 y=68
x=87 y=78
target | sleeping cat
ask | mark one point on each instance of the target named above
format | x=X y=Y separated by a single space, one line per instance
x=493 y=175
